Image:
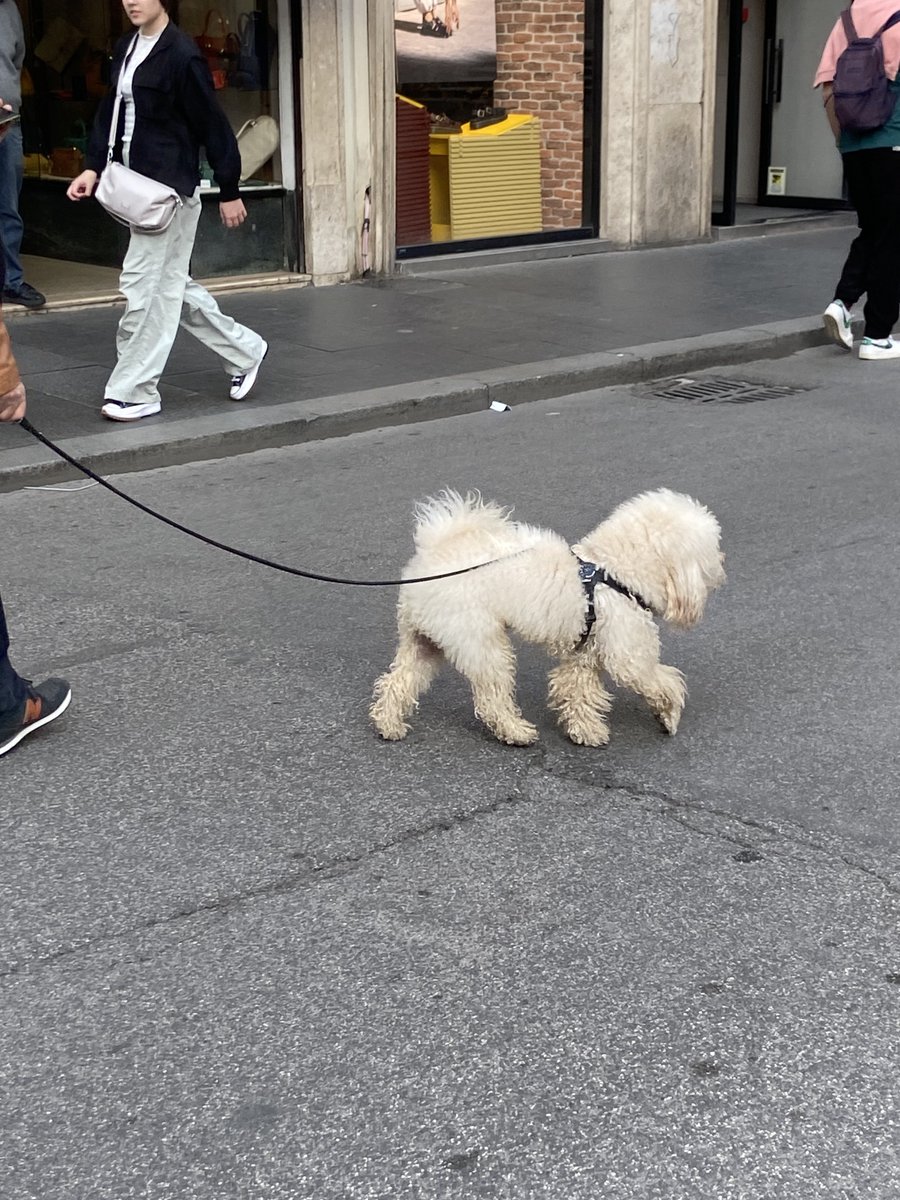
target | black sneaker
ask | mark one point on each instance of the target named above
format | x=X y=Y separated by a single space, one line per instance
x=25 y=295
x=43 y=704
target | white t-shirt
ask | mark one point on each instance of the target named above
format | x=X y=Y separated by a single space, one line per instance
x=143 y=48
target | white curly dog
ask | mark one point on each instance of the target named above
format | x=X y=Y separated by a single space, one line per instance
x=591 y=605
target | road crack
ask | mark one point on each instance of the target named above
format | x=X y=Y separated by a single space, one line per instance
x=701 y=820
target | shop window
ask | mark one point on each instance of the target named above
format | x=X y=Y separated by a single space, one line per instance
x=69 y=47
x=494 y=122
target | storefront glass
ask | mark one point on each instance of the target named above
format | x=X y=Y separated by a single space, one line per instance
x=495 y=120
x=69 y=48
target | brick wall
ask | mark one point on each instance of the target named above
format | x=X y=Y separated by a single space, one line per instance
x=540 y=70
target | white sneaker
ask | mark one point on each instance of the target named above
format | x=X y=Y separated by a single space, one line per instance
x=838 y=323
x=241 y=384
x=118 y=410
x=883 y=348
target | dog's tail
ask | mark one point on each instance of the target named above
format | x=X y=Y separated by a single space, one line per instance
x=450 y=513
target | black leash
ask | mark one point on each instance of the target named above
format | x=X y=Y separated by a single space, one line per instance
x=254 y=558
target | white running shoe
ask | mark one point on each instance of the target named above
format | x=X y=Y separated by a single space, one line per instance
x=119 y=410
x=875 y=350
x=241 y=384
x=838 y=323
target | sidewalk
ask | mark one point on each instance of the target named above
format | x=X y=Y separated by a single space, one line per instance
x=424 y=346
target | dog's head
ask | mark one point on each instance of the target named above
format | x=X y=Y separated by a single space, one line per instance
x=665 y=545
x=687 y=540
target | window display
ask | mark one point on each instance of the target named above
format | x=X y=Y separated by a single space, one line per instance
x=510 y=129
x=70 y=44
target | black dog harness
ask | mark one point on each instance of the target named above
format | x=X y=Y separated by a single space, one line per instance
x=591 y=575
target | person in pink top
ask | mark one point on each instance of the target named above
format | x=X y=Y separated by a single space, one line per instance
x=872 y=170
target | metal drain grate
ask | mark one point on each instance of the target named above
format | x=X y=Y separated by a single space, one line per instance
x=712 y=389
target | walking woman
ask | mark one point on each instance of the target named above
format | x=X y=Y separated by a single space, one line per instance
x=167 y=112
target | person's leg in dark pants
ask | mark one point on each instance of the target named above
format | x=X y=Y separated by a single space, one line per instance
x=883 y=271
x=25 y=707
x=852 y=283
x=873 y=264
x=12 y=687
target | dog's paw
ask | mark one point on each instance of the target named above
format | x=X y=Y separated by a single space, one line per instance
x=393 y=733
x=669 y=721
x=523 y=734
x=588 y=735
x=391 y=728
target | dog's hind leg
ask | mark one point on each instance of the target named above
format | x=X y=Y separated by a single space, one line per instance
x=577 y=694
x=489 y=664
x=397 y=692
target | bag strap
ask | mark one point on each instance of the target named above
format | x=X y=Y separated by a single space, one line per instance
x=888 y=23
x=223 y=24
x=850 y=28
x=114 y=124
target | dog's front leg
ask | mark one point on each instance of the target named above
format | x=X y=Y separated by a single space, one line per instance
x=577 y=694
x=631 y=659
x=662 y=687
x=665 y=693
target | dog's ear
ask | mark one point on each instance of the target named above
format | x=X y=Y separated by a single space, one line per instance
x=686 y=592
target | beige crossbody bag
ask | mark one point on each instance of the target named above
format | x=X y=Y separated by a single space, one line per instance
x=135 y=200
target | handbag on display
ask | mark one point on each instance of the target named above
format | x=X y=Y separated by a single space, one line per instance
x=132 y=199
x=59 y=44
x=66 y=161
x=37 y=164
x=94 y=70
x=79 y=137
x=257 y=141
x=213 y=47
x=251 y=69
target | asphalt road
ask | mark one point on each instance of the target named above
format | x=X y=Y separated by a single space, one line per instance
x=249 y=952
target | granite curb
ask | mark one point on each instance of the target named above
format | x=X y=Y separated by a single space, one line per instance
x=242 y=430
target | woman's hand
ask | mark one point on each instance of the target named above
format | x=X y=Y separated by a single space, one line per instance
x=232 y=213
x=82 y=185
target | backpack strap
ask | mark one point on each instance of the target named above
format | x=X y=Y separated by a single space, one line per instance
x=849 y=27
x=888 y=23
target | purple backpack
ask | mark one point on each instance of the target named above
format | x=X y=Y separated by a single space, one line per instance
x=863 y=99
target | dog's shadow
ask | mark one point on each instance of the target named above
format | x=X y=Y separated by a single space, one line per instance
x=406 y=26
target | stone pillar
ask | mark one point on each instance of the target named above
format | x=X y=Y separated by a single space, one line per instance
x=335 y=142
x=658 y=113
x=383 y=165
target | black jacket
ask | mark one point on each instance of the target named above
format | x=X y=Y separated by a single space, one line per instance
x=176 y=112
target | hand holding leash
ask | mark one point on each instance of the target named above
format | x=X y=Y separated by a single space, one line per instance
x=12 y=404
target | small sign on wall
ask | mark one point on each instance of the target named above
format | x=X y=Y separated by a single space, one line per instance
x=777 y=185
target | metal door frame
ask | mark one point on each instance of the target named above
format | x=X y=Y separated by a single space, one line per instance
x=728 y=213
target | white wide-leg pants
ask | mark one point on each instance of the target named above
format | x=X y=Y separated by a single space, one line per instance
x=159 y=296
